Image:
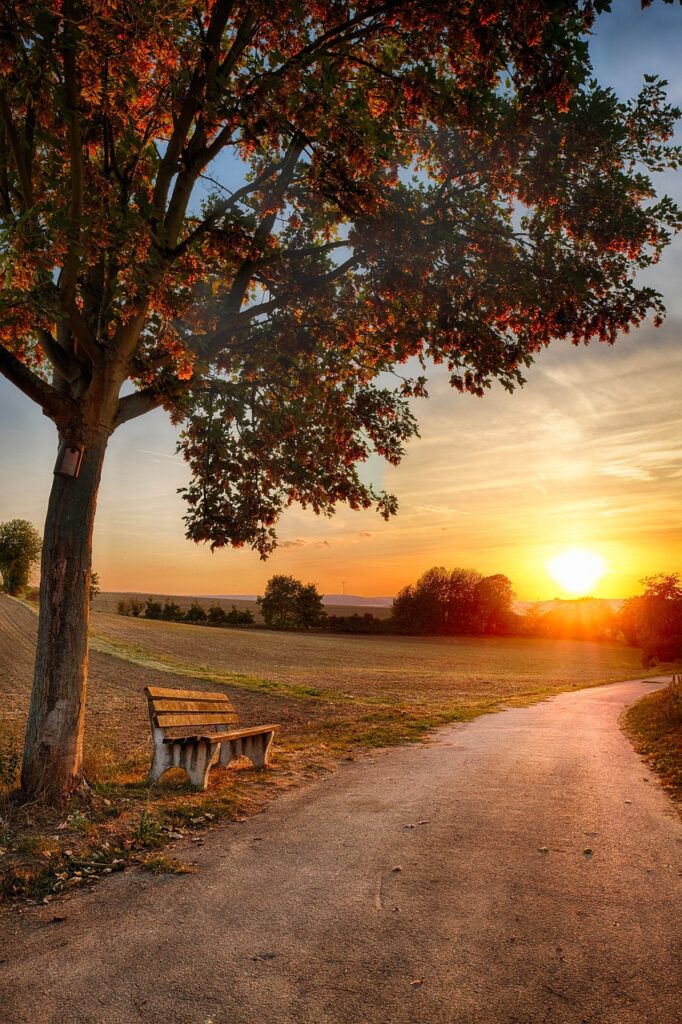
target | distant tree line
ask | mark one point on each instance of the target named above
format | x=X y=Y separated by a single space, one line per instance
x=196 y=614
x=365 y=624
x=456 y=602
x=441 y=601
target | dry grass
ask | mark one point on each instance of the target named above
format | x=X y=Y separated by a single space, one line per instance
x=332 y=695
x=159 y=864
x=655 y=726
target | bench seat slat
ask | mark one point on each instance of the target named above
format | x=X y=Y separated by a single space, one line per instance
x=179 y=733
x=164 y=704
x=195 y=695
x=176 y=733
x=254 y=730
x=199 y=729
x=197 y=720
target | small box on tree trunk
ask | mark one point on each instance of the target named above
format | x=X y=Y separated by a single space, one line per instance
x=69 y=460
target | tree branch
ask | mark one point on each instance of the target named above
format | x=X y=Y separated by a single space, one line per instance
x=197 y=152
x=137 y=404
x=82 y=333
x=18 y=155
x=222 y=208
x=314 y=48
x=307 y=250
x=216 y=342
x=50 y=401
x=190 y=106
x=69 y=274
x=262 y=232
x=65 y=366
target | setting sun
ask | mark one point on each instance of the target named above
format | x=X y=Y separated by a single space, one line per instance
x=577 y=570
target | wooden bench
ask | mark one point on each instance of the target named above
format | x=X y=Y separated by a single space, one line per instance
x=193 y=730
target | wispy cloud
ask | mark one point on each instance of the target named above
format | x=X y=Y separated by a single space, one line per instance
x=303 y=542
x=160 y=455
x=441 y=510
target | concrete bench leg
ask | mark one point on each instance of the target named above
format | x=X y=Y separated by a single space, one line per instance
x=163 y=760
x=256 y=748
x=197 y=760
x=195 y=757
x=230 y=750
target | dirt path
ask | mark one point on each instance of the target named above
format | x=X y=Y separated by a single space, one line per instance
x=524 y=868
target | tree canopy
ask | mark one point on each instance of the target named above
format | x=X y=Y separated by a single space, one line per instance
x=20 y=545
x=258 y=212
x=457 y=601
x=290 y=604
x=653 y=620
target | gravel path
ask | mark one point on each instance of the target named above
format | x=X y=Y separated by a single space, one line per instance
x=521 y=869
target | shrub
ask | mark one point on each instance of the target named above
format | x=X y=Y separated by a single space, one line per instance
x=217 y=615
x=171 y=611
x=355 y=623
x=195 y=613
x=95 y=588
x=235 y=617
x=123 y=608
x=153 y=609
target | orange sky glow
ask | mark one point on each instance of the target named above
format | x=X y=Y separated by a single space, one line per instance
x=580 y=458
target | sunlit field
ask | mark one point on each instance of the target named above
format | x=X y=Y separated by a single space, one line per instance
x=392 y=668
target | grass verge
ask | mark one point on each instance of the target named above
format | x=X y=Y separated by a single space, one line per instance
x=655 y=727
x=47 y=853
x=159 y=864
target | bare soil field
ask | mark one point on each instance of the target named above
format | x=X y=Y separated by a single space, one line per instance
x=332 y=689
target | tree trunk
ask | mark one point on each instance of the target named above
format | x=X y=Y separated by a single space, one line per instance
x=53 y=752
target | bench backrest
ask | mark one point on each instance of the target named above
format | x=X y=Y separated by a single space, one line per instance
x=180 y=713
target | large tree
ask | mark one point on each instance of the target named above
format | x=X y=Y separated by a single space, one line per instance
x=290 y=604
x=457 y=601
x=653 y=620
x=19 y=551
x=252 y=213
